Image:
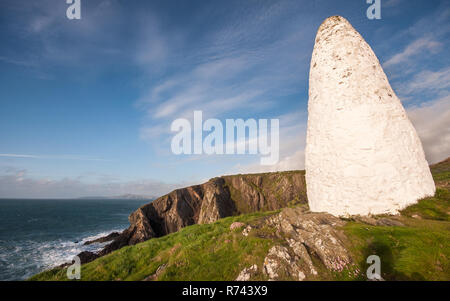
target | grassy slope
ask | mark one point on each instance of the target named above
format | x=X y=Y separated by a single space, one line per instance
x=197 y=252
x=420 y=250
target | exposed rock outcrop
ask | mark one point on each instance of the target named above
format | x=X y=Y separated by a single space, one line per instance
x=280 y=263
x=247 y=273
x=377 y=221
x=206 y=203
x=87 y=256
x=158 y=272
x=236 y=225
x=306 y=243
x=106 y=238
x=312 y=234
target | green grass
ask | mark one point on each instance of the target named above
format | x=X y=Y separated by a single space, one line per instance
x=198 y=252
x=441 y=171
x=420 y=250
x=440 y=167
x=441 y=176
x=435 y=208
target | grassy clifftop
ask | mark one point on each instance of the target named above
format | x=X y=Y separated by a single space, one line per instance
x=412 y=246
x=197 y=252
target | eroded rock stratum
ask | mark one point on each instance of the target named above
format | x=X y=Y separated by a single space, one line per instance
x=303 y=237
x=219 y=197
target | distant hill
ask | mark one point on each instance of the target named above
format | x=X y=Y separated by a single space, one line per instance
x=127 y=196
x=271 y=235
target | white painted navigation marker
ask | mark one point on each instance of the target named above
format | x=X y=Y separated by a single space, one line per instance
x=363 y=155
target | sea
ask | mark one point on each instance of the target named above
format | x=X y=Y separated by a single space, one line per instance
x=36 y=235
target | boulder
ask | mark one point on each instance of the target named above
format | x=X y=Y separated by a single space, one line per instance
x=106 y=238
x=236 y=225
x=247 y=273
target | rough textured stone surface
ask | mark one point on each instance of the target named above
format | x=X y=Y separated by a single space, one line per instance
x=236 y=225
x=206 y=203
x=158 y=272
x=312 y=234
x=279 y=263
x=268 y=191
x=87 y=256
x=378 y=221
x=306 y=243
x=106 y=238
x=247 y=230
x=363 y=156
x=247 y=273
x=389 y=222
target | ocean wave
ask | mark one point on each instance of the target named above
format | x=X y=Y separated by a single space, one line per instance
x=20 y=260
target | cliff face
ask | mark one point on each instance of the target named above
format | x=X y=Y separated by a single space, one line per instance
x=293 y=244
x=206 y=203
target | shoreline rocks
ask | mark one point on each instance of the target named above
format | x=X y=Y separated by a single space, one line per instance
x=106 y=238
x=206 y=203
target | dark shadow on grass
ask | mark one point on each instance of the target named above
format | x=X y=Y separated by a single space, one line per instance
x=388 y=272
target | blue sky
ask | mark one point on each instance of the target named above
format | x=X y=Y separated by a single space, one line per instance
x=86 y=105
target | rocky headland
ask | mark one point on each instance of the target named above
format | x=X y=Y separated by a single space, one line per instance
x=267 y=227
x=206 y=203
x=270 y=234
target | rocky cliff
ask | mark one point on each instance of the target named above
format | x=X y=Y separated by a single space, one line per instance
x=206 y=203
x=289 y=244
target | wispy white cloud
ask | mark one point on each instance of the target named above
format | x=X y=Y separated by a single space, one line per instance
x=390 y=3
x=236 y=69
x=17 y=184
x=292 y=146
x=59 y=157
x=13 y=61
x=432 y=122
x=414 y=48
x=437 y=82
x=295 y=161
x=49 y=35
x=154 y=46
x=431 y=119
x=18 y=156
x=241 y=65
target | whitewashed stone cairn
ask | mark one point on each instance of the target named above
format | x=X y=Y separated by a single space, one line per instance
x=363 y=155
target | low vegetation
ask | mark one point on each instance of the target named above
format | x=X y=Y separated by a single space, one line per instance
x=418 y=250
x=197 y=252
